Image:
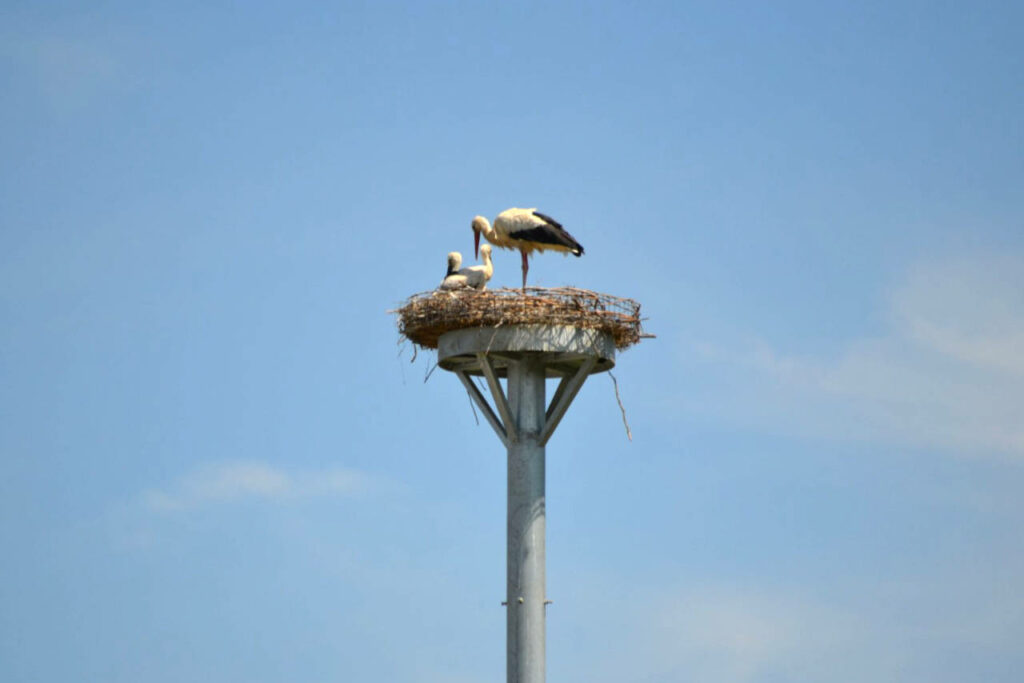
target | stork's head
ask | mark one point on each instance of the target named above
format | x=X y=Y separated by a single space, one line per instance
x=454 y=262
x=485 y=251
x=480 y=225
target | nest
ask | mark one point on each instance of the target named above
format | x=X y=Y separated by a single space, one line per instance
x=426 y=316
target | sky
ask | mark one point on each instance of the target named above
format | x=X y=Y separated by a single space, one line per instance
x=219 y=462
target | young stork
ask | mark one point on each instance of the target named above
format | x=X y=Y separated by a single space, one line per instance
x=473 y=277
x=527 y=230
x=454 y=263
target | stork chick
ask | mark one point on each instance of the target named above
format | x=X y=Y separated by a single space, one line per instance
x=454 y=263
x=473 y=277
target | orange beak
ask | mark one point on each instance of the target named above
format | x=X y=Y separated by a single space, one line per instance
x=476 y=244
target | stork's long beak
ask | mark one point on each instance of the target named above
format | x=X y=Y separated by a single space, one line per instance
x=476 y=244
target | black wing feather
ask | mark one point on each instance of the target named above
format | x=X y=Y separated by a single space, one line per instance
x=551 y=234
x=547 y=219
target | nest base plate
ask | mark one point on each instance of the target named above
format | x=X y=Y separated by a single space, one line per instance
x=564 y=348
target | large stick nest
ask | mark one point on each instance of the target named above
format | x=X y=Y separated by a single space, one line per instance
x=425 y=317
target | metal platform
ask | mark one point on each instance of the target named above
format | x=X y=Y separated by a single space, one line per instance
x=562 y=349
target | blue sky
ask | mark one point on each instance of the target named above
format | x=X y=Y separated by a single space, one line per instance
x=218 y=463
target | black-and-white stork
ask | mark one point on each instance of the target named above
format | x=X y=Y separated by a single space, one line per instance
x=527 y=230
x=473 y=277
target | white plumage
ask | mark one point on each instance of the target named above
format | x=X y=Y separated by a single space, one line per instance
x=527 y=230
x=454 y=263
x=473 y=277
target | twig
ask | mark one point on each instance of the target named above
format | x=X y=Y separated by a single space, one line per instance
x=629 y=434
x=493 y=335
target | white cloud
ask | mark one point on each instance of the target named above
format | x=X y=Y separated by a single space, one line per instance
x=949 y=372
x=228 y=482
x=725 y=632
x=720 y=633
x=968 y=310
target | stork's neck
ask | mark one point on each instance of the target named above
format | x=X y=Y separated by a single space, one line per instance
x=488 y=230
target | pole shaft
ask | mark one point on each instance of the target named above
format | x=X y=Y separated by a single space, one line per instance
x=525 y=583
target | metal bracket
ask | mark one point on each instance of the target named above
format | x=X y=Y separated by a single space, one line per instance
x=485 y=407
x=505 y=426
x=500 y=402
x=567 y=389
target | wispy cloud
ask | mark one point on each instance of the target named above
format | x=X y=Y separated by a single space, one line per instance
x=725 y=632
x=969 y=310
x=733 y=635
x=948 y=373
x=229 y=482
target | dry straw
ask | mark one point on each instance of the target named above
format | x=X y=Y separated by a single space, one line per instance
x=425 y=317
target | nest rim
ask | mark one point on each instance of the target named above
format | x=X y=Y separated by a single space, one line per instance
x=425 y=316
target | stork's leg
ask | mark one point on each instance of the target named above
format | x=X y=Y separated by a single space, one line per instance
x=526 y=267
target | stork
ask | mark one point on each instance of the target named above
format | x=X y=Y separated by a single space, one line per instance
x=527 y=230
x=454 y=263
x=473 y=277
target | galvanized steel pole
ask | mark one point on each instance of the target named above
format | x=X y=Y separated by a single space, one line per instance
x=525 y=581
x=525 y=355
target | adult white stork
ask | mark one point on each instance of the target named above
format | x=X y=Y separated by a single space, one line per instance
x=473 y=277
x=527 y=230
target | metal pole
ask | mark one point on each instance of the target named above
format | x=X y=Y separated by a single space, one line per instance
x=525 y=584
